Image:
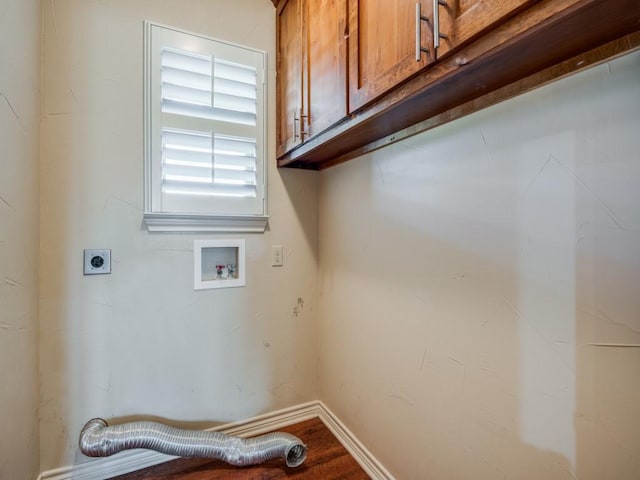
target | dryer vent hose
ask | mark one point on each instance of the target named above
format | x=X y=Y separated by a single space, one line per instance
x=98 y=439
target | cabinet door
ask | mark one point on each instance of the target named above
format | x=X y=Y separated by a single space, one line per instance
x=290 y=70
x=461 y=20
x=382 y=46
x=326 y=92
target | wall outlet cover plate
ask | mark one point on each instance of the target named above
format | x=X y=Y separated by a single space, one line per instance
x=97 y=261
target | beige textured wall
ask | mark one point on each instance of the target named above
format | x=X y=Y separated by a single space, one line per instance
x=19 y=126
x=141 y=341
x=478 y=283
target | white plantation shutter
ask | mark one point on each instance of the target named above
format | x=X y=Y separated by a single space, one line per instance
x=196 y=163
x=206 y=127
x=205 y=87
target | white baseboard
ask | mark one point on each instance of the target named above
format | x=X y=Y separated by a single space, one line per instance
x=362 y=455
x=133 y=460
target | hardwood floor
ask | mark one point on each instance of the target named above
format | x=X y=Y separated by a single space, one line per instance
x=326 y=459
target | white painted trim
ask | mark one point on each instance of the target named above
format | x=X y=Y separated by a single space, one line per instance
x=238 y=258
x=175 y=222
x=130 y=461
x=272 y=421
x=362 y=455
x=254 y=217
x=102 y=468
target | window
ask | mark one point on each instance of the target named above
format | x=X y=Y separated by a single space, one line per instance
x=205 y=117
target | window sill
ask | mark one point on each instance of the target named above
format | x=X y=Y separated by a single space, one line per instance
x=169 y=222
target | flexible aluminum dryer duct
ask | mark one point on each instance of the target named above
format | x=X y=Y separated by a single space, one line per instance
x=97 y=439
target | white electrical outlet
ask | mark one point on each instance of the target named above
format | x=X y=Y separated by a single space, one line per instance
x=276 y=256
x=97 y=262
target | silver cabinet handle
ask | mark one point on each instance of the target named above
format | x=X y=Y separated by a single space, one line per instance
x=436 y=23
x=295 y=124
x=419 y=19
x=303 y=132
x=437 y=35
x=418 y=47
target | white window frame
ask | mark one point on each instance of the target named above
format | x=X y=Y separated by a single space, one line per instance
x=251 y=216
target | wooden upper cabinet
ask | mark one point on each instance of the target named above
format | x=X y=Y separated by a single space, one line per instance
x=383 y=47
x=326 y=89
x=290 y=74
x=355 y=75
x=462 y=20
x=312 y=71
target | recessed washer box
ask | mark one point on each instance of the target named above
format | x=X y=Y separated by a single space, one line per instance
x=218 y=264
x=97 y=261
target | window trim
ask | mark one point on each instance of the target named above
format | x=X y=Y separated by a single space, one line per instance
x=196 y=222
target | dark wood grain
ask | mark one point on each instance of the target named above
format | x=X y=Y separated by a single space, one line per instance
x=312 y=72
x=591 y=58
x=326 y=459
x=326 y=76
x=290 y=73
x=462 y=20
x=541 y=36
x=382 y=47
